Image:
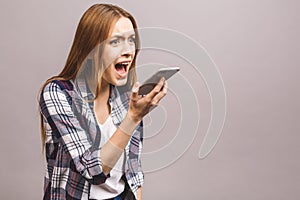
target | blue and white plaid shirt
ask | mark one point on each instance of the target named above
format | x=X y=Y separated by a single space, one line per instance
x=73 y=140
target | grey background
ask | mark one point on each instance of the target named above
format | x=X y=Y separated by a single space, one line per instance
x=254 y=44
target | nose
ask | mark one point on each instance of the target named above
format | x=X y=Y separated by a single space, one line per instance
x=128 y=49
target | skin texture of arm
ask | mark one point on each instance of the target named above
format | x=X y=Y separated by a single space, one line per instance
x=139 y=193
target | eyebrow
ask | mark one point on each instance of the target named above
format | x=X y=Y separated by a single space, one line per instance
x=118 y=35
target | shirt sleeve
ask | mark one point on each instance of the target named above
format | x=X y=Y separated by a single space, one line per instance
x=58 y=112
x=136 y=176
x=140 y=174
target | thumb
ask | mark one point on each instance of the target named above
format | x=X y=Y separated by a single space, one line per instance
x=135 y=91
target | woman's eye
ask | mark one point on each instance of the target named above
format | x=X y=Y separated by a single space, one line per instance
x=132 y=40
x=114 y=42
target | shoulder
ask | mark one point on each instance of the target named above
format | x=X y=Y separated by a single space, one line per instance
x=59 y=84
x=56 y=89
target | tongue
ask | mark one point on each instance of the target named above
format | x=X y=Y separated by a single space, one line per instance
x=120 y=69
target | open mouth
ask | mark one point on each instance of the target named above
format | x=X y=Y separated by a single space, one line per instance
x=121 y=67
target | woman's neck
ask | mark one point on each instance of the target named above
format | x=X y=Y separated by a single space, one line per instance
x=101 y=105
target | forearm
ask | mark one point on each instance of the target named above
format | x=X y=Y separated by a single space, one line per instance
x=113 y=149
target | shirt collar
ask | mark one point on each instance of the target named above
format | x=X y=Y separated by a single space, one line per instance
x=83 y=89
x=118 y=98
x=85 y=92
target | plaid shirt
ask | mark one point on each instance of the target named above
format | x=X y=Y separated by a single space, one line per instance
x=73 y=140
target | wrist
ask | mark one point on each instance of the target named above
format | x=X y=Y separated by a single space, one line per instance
x=133 y=117
x=129 y=124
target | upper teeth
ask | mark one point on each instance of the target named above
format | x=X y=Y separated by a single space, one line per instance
x=124 y=63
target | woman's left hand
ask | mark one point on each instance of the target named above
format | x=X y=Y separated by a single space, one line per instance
x=139 y=193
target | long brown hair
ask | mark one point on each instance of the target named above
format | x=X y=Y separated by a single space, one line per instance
x=94 y=28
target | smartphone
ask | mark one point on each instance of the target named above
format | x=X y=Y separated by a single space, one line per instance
x=151 y=82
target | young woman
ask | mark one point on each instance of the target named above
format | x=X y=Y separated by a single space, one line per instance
x=91 y=113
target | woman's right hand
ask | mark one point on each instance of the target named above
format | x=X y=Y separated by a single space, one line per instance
x=139 y=106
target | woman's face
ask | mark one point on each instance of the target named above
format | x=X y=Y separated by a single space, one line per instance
x=118 y=53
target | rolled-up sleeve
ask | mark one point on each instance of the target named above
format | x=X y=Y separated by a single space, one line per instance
x=135 y=175
x=66 y=128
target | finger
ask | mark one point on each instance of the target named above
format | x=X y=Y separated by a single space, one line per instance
x=156 y=89
x=161 y=94
x=135 y=91
x=165 y=88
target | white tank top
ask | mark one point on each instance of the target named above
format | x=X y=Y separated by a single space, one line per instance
x=113 y=185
